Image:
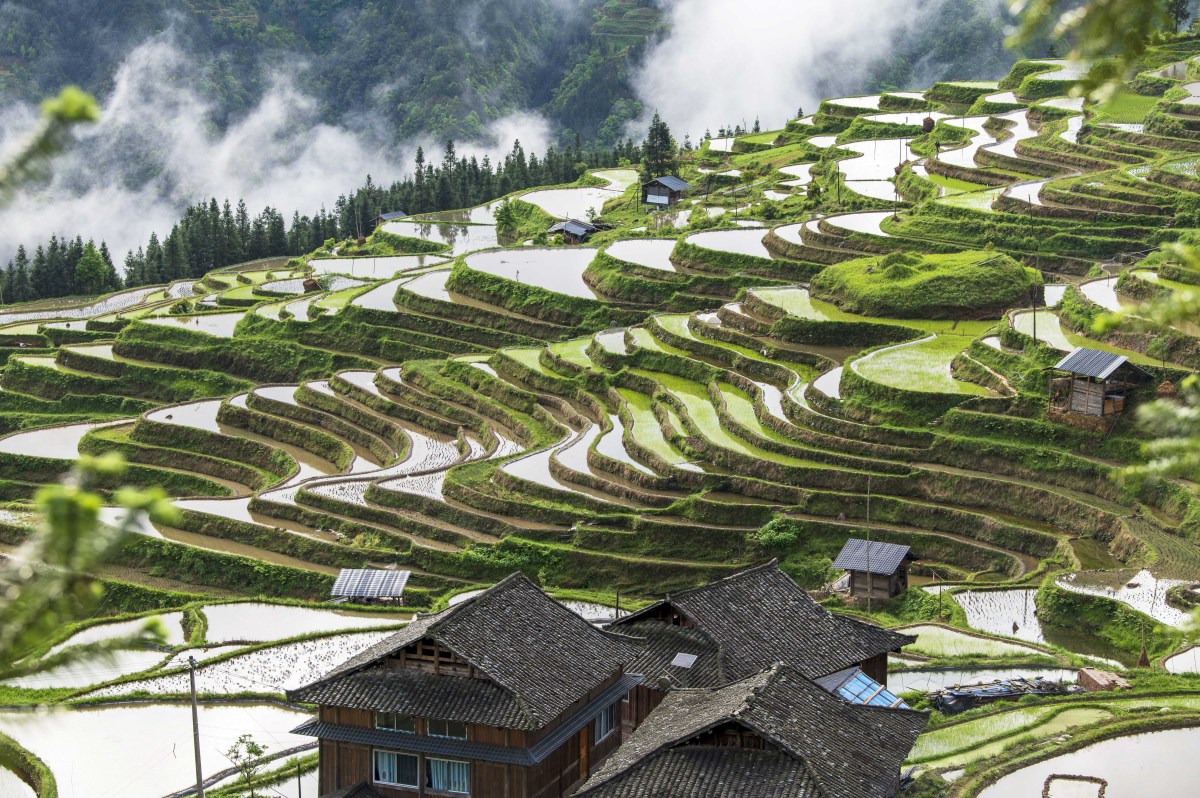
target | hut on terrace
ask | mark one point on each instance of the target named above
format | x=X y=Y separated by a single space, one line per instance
x=1089 y=382
x=573 y=231
x=370 y=586
x=391 y=216
x=878 y=570
x=663 y=192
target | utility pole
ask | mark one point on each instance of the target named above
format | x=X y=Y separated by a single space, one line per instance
x=870 y=576
x=196 y=729
x=299 y=785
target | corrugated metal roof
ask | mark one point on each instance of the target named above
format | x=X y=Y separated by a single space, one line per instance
x=885 y=558
x=574 y=227
x=387 y=217
x=370 y=583
x=671 y=182
x=1091 y=363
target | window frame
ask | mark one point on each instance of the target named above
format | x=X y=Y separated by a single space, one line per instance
x=429 y=724
x=376 y=752
x=612 y=717
x=428 y=775
x=395 y=715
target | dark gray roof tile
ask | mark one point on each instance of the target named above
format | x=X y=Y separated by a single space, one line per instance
x=848 y=750
x=1091 y=363
x=760 y=616
x=541 y=653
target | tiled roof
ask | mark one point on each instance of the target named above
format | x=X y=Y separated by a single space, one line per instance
x=663 y=642
x=692 y=771
x=1091 y=363
x=671 y=182
x=884 y=558
x=536 y=650
x=423 y=695
x=846 y=750
x=758 y=617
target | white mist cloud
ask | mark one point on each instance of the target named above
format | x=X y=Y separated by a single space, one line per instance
x=726 y=63
x=156 y=150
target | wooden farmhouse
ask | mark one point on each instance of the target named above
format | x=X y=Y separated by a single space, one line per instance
x=663 y=192
x=573 y=231
x=878 y=570
x=370 y=586
x=509 y=694
x=772 y=734
x=713 y=692
x=1095 y=383
x=736 y=627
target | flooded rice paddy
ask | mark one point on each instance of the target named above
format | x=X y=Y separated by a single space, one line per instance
x=218 y=324
x=459 y=237
x=1154 y=765
x=571 y=203
x=1137 y=589
x=150 y=764
x=938 y=641
x=742 y=242
x=251 y=621
x=653 y=253
x=558 y=269
x=60 y=443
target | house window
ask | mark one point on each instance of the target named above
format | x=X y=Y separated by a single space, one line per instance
x=447 y=728
x=393 y=722
x=605 y=722
x=397 y=770
x=447 y=775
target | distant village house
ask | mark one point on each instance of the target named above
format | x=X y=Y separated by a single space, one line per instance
x=573 y=231
x=663 y=192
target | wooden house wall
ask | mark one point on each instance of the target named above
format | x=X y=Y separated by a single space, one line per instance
x=880 y=586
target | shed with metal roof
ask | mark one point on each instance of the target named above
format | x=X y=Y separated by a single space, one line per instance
x=1097 y=383
x=369 y=585
x=662 y=192
x=876 y=569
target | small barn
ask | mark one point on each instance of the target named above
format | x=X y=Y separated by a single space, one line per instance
x=878 y=570
x=573 y=231
x=1095 y=383
x=663 y=192
x=370 y=586
x=389 y=217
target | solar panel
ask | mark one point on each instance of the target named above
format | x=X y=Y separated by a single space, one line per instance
x=684 y=660
x=370 y=583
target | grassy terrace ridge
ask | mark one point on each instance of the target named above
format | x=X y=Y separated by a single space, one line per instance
x=690 y=418
x=908 y=285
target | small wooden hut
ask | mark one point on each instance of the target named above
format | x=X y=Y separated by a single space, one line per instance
x=370 y=586
x=1095 y=383
x=389 y=217
x=663 y=192
x=573 y=231
x=878 y=570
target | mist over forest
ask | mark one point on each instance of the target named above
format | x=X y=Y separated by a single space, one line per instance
x=288 y=104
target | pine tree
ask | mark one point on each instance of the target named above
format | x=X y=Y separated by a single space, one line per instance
x=660 y=155
x=91 y=272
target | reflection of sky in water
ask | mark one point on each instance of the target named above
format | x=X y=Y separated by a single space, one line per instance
x=461 y=237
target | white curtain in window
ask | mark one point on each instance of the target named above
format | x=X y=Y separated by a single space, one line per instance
x=449 y=776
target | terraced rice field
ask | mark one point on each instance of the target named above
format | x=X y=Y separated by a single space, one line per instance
x=461 y=424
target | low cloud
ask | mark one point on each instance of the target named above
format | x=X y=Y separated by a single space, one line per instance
x=157 y=150
x=723 y=64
